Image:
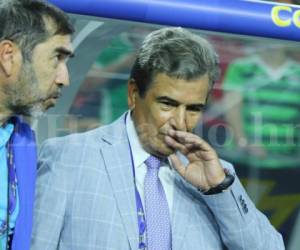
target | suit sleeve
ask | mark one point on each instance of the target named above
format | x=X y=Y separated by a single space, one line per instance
x=242 y=226
x=52 y=189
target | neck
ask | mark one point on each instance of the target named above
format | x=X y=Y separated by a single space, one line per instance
x=5 y=113
x=3 y=118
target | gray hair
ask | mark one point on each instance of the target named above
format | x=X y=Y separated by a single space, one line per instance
x=25 y=22
x=177 y=53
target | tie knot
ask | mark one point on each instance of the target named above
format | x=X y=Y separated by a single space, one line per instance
x=153 y=162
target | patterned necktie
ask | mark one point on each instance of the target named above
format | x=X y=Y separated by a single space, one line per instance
x=156 y=207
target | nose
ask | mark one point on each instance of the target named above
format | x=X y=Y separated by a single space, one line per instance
x=62 y=77
x=179 y=119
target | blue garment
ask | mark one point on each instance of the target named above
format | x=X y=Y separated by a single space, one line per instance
x=24 y=150
x=5 y=134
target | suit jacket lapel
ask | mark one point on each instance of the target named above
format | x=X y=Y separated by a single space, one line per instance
x=117 y=161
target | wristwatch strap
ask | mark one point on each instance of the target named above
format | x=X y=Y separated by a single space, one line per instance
x=225 y=184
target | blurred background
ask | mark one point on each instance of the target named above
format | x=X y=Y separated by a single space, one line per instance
x=252 y=118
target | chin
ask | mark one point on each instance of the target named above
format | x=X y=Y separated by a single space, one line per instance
x=168 y=152
x=37 y=111
x=164 y=151
x=46 y=107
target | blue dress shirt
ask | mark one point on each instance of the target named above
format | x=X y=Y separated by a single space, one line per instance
x=5 y=134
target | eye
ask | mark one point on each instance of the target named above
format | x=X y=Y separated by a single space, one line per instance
x=56 y=59
x=196 y=108
x=59 y=57
x=167 y=105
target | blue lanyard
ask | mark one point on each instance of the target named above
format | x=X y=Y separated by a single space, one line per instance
x=139 y=205
x=11 y=192
x=12 y=179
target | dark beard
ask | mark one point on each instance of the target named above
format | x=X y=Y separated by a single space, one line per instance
x=20 y=110
x=16 y=102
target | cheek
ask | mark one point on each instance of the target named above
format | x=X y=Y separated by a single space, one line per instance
x=160 y=118
x=151 y=124
x=193 y=121
x=45 y=74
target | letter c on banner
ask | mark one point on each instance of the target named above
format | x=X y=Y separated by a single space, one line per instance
x=296 y=18
x=280 y=22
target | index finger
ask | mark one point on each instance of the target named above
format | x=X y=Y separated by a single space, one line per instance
x=189 y=138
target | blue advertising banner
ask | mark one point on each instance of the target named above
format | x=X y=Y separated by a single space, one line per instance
x=255 y=18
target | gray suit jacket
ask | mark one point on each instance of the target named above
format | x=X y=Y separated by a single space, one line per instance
x=85 y=200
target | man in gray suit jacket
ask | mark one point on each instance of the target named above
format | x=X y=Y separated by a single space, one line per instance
x=96 y=190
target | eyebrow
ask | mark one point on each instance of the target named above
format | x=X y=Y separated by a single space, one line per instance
x=168 y=99
x=64 y=51
x=176 y=103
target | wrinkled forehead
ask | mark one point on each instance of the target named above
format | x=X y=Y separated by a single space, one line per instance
x=54 y=45
x=164 y=85
x=50 y=25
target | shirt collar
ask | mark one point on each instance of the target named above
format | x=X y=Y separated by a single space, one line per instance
x=138 y=153
x=5 y=133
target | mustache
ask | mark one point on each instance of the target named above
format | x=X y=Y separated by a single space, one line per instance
x=39 y=99
x=56 y=94
x=152 y=130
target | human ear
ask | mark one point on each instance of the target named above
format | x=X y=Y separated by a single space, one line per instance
x=7 y=52
x=132 y=93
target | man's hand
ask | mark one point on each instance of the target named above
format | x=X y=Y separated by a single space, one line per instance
x=204 y=170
